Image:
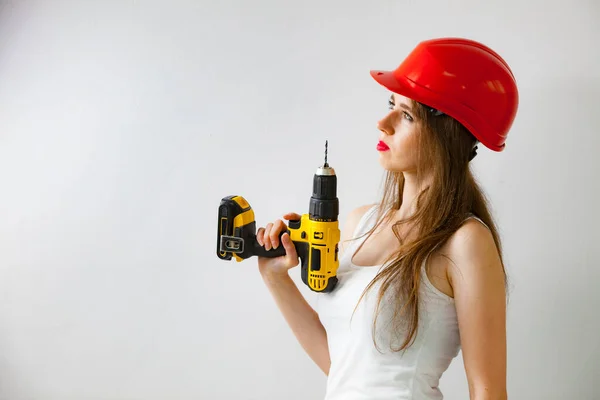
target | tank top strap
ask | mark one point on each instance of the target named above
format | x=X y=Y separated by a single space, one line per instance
x=426 y=279
x=468 y=217
x=473 y=216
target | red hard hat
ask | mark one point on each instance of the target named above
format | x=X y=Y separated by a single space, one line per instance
x=463 y=79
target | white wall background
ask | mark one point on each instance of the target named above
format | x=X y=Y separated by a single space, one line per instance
x=123 y=123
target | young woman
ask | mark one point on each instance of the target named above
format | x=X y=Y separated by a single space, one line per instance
x=421 y=273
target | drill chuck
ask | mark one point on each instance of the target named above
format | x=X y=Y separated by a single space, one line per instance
x=324 y=204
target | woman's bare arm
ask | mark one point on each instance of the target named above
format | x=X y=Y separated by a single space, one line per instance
x=477 y=280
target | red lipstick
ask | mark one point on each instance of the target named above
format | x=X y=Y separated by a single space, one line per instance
x=381 y=146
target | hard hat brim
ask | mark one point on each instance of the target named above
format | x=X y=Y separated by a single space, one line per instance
x=405 y=87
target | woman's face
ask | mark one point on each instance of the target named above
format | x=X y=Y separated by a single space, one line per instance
x=399 y=139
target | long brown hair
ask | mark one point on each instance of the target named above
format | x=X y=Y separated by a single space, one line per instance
x=445 y=149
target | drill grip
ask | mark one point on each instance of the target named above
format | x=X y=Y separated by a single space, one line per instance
x=260 y=251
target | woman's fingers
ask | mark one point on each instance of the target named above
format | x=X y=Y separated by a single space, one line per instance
x=278 y=226
x=292 y=216
x=266 y=237
x=290 y=250
x=259 y=236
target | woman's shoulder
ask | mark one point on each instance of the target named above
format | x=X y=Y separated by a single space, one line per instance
x=473 y=232
x=471 y=247
x=471 y=236
x=356 y=214
x=352 y=220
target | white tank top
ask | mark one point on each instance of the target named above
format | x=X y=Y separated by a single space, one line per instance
x=359 y=370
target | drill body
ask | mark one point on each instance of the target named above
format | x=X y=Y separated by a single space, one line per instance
x=315 y=235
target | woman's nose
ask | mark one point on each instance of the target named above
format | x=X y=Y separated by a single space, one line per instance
x=385 y=126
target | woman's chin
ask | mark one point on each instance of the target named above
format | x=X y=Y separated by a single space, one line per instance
x=389 y=166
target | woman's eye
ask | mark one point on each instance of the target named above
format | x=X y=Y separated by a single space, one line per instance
x=391 y=104
x=407 y=116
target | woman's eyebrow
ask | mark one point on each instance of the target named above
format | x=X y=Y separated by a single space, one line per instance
x=402 y=105
x=406 y=107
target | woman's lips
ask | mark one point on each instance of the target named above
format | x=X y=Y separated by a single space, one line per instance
x=382 y=146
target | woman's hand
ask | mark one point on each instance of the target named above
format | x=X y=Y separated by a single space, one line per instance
x=268 y=237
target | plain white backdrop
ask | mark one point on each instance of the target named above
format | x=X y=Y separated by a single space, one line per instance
x=123 y=124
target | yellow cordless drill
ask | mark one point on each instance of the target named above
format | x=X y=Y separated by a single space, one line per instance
x=315 y=235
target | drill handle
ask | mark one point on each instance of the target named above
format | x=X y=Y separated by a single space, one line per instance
x=260 y=251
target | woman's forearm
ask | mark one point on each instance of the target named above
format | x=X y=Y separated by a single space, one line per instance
x=300 y=316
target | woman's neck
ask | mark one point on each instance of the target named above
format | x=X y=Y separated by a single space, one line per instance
x=413 y=186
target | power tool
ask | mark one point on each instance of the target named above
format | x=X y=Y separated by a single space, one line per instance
x=315 y=235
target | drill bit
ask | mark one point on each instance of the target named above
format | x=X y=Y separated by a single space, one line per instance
x=326 y=165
